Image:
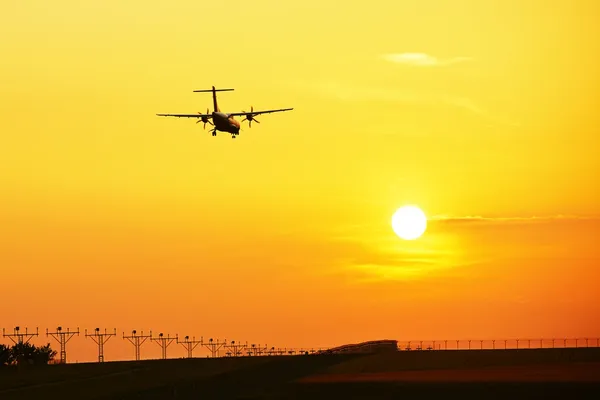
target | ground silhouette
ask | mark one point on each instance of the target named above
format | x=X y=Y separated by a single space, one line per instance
x=430 y=373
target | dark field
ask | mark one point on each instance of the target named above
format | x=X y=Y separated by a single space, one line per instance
x=482 y=374
x=575 y=372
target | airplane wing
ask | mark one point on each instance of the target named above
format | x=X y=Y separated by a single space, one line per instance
x=255 y=113
x=186 y=115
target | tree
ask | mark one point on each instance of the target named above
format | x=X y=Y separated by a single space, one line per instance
x=26 y=353
x=22 y=353
x=5 y=355
x=44 y=354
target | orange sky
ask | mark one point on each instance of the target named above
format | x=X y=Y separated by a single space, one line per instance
x=113 y=217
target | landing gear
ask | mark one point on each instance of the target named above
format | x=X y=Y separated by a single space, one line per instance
x=233 y=136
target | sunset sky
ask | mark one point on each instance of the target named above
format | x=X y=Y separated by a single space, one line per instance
x=483 y=113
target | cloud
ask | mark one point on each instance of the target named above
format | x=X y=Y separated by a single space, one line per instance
x=349 y=232
x=367 y=254
x=422 y=59
x=353 y=92
x=457 y=246
x=386 y=273
x=518 y=220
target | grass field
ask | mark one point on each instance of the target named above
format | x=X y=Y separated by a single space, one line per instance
x=437 y=391
x=476 y=373
x=562 y=372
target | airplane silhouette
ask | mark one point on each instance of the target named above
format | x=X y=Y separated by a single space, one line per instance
x=224 y=122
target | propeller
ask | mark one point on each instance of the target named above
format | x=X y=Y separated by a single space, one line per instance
x=250 y=117
x=204 y=119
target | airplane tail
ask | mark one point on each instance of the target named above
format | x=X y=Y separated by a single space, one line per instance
x=214 y=93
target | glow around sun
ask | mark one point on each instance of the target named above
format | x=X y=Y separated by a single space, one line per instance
x=409 y=222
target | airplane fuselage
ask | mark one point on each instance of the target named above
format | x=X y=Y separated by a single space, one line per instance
x=225 y=123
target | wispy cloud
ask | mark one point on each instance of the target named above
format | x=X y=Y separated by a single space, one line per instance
x=526 y=219
x=455 y=246
x=357 y=93
x=353 y=92
x=354 y=232
x=422 y=59
x=382 y=273
x=373 y=253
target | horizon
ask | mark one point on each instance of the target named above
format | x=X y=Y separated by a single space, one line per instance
x=112 y=216
x=201 y=348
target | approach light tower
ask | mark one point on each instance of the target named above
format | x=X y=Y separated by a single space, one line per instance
x=20 y=337
x=236 y=348
x=213 y=346
x=257 y=349
x=137 y=341
x=164 y=342
x=62 y=337
x=189 y=345
x=253 y=350
x=101 y=339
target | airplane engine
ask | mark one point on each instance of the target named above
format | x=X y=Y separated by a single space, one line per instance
x=204 y=119
x=250 y=117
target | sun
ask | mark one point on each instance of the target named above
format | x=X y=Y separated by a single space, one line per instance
x=409 y=222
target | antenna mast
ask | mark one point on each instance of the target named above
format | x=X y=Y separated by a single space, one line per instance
x=100 y=339
x=137 y=341
x=62 y=337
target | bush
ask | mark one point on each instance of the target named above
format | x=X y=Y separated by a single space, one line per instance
x=26 y=353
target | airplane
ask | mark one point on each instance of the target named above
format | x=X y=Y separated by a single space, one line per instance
x=224 y=122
